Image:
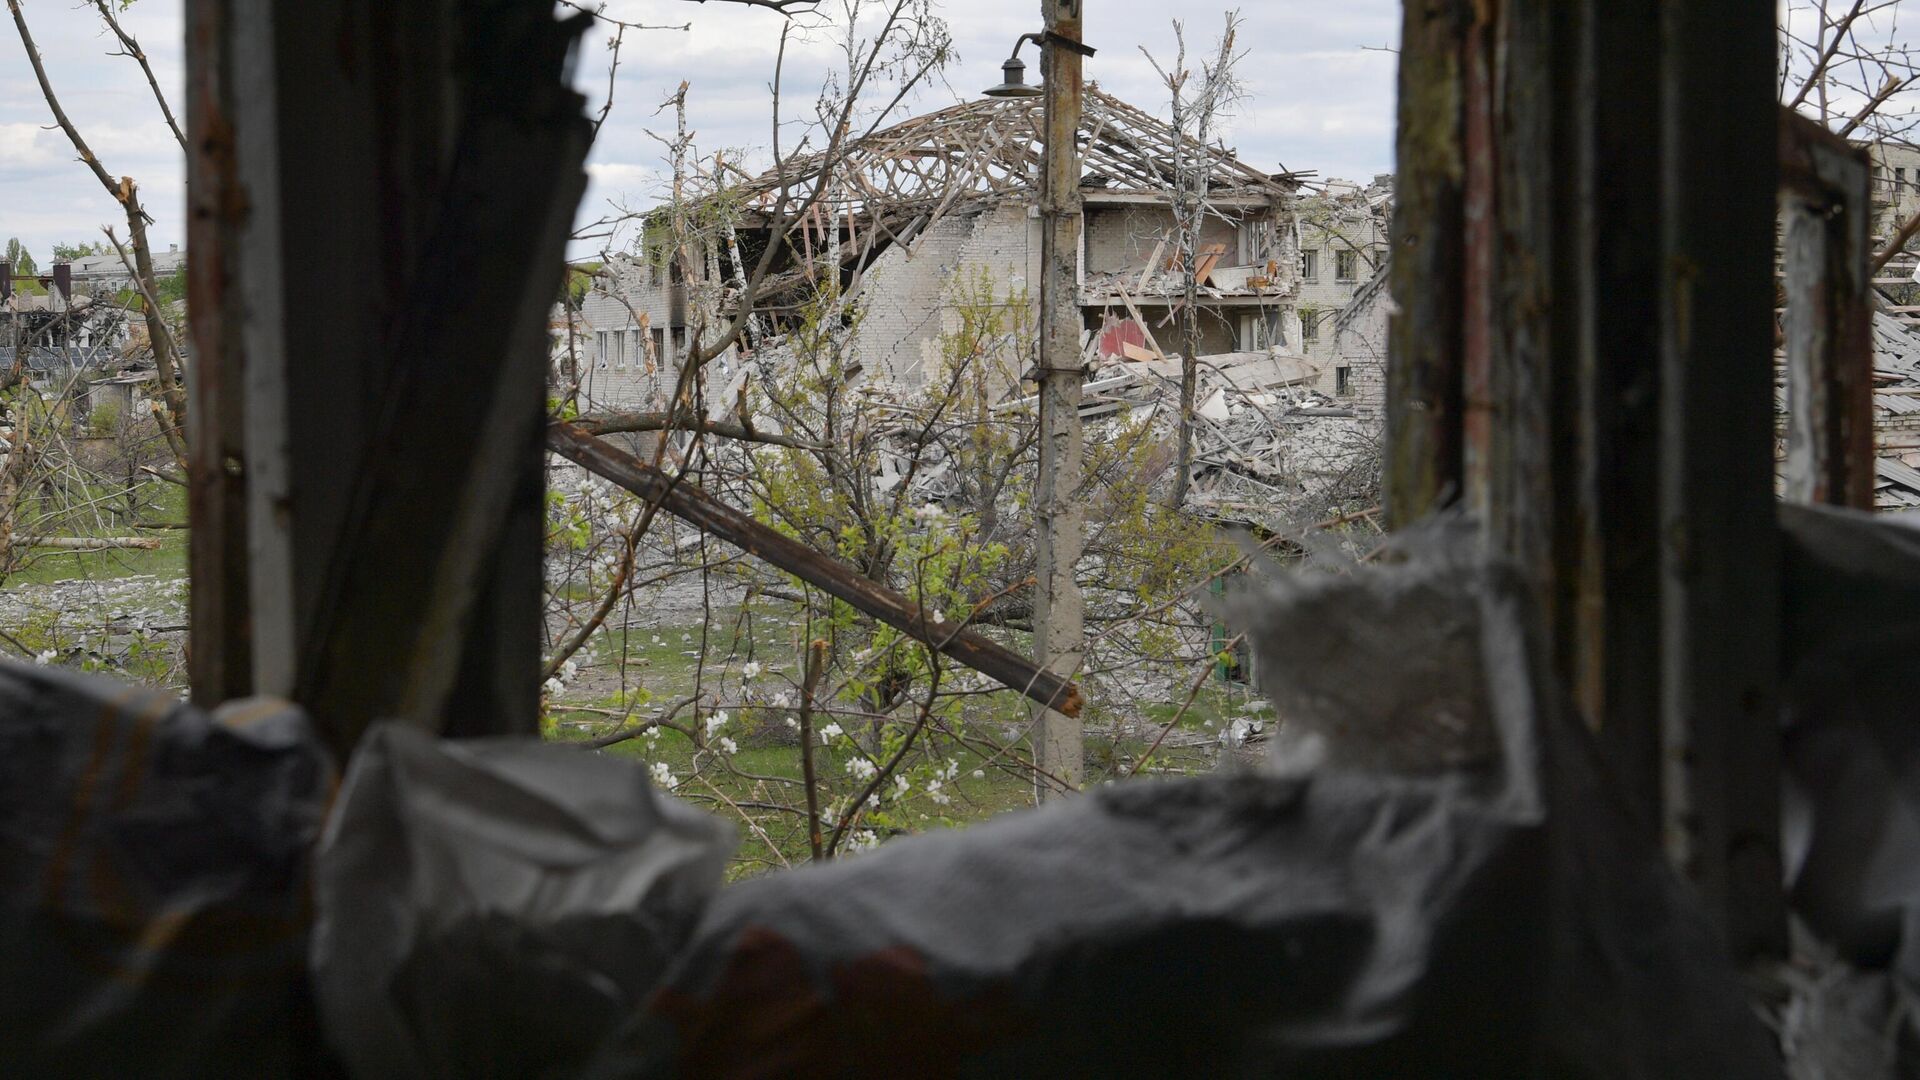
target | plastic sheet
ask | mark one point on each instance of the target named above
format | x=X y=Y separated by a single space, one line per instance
x=1477 y=907
x=153 y=880
x=495 y=906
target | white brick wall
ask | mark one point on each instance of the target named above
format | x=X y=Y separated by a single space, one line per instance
x=1361 y=348
x=904 y=301
x=618 y=371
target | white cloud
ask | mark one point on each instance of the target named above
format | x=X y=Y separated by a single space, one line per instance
x=1322 y=100
x=22 y=148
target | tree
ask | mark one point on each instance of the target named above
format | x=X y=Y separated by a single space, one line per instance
x=74 y=252
x=1198 y=107
x=19 y=258
x=125 y=192
x=1849 y=64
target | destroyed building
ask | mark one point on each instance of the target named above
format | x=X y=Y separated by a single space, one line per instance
x=946 y=197
x=1343 y=245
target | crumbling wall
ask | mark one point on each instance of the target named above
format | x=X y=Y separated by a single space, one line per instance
x=906 y=300
x=1358 y=344
x=1120 y=239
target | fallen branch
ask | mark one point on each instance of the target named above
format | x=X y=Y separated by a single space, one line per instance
x=701 y=510
x=624 y=423
x=87 y=543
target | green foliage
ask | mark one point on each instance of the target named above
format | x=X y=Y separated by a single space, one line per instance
x=21 y=260
x=580 y=278
x=74 y=252
x=104 y=419
x=172 y=288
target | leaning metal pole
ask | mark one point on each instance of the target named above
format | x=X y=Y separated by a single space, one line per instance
x=1059 y=637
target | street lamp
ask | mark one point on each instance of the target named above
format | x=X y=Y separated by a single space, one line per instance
x=1013 y=73
x=1059 y=616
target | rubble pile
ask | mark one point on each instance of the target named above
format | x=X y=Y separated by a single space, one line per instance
x=1269 y=448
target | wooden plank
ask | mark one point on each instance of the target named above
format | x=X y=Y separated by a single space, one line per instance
x=1146 y=272
x=393 y=434
x=690 y=504
x=220 y=650
x=1720 y=558
x=1615 y=663
x=1829 y=317
x=1423 y=370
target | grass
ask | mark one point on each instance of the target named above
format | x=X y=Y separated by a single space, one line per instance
x=759 y=787
x=753 y=787
x=168 y=503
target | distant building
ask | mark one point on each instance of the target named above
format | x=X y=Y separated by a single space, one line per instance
x=106 y=275
x=1343 y=246
x=924 y=210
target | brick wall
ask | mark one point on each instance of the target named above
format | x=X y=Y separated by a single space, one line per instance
x=1360 y=346
x=905 y=302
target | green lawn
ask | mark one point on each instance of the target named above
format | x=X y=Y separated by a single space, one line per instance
x=168 y=503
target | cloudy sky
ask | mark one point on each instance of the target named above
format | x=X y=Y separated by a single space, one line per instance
x=1320 y=85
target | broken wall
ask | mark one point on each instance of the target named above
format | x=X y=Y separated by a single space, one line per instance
x=1120 y=239
x=906 y=296
x=1356 y=370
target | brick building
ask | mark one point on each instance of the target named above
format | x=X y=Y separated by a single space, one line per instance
x=945 y=205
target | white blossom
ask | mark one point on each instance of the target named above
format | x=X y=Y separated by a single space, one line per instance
x=829 y=733
x=901 y=786
x=663 y=776
x=568 y=670
x=45 y=658
x=861 y=769
x=552 y=687
x=780 y=700
x=715 y=722
x=728 y=746
x=751 y=670
x=938 y=618
x=863 y=840
x=938 y=796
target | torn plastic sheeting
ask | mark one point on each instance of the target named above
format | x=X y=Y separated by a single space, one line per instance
x=153 y=880
x=495 y=906
x=1486 y=913
x=1852 y=748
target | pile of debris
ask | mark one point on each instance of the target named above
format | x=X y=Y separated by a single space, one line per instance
x=1896 y=414
x=1269 y=448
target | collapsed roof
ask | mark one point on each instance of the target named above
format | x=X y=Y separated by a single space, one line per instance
x=994 y=147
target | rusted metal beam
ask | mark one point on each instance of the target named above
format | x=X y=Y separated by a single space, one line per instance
x=711 y=516
x=1829 y=316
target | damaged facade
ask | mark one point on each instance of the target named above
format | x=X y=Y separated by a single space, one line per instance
x=944 y=198
x=940 y=213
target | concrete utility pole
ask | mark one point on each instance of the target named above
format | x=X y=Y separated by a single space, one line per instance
x=1059 y=637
